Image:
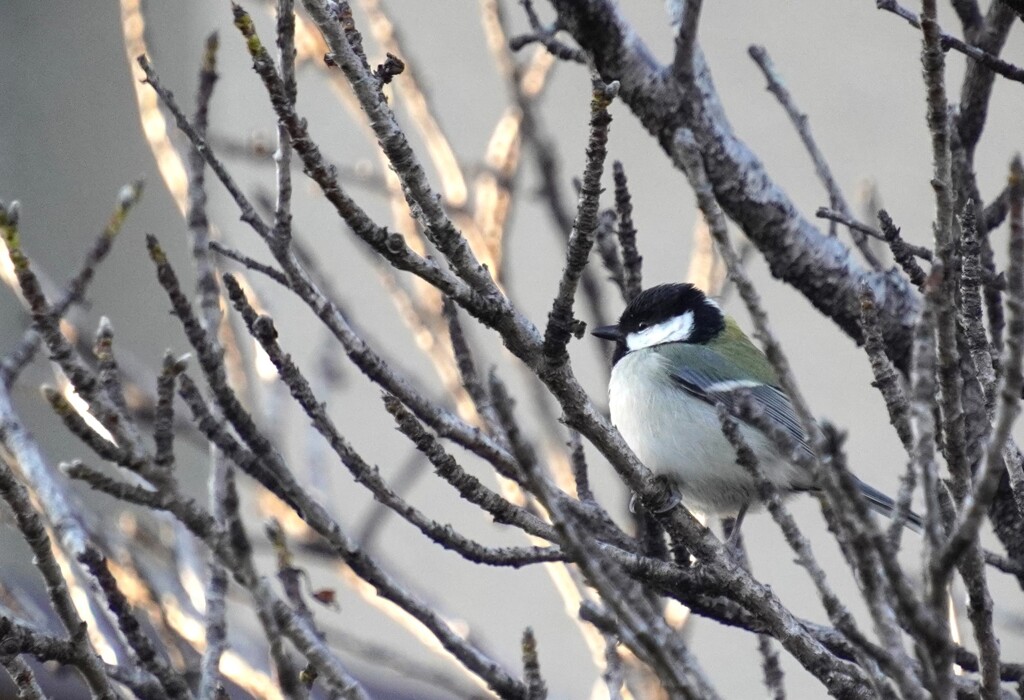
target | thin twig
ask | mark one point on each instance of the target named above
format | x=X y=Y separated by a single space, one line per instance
x=803 y=129
x=561 y=324
x=947 y=41
x=631 y=259
x=250 y=263
x=283 y=153
x=888 y=235
x=546 y=37
x=127 y=198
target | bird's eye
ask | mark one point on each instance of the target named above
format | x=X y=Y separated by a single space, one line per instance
x=642 y=326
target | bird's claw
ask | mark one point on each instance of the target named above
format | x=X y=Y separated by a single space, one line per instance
x=669 y=498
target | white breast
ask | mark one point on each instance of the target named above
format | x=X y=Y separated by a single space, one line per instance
x=678 y=435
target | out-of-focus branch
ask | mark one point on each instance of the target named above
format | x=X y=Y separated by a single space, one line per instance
x=993 y=63
x=801 y=123
x=417 y=100
x=32 y=528
x=143 y=652
x=127 y=198
x=154 y=126
x=24 y=678
x=546 y=37
x=20 y=639
x=988 y=33
x=221 y=478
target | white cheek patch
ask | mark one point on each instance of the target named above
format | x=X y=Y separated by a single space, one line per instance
x=674 y=330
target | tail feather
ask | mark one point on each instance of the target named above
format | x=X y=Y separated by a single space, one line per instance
x=887 y=507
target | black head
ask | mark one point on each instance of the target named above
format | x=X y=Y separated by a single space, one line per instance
x=667 y=313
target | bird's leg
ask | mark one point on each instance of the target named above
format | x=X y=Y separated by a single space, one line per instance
x=733 y=538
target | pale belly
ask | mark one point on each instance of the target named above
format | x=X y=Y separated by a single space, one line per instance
x=680 y=437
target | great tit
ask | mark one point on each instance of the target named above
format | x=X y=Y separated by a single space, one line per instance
x=676 y=357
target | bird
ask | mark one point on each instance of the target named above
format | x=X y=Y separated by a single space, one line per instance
x=677 y=356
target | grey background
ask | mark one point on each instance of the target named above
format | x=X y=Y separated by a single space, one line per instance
x=70 y=138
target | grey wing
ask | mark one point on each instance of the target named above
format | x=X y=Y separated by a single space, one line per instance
x=776 y=405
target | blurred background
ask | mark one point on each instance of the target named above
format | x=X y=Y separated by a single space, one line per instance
x=70 y=138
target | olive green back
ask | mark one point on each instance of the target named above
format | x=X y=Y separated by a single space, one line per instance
x=730 y=355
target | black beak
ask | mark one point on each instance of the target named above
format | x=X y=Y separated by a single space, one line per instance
x=607 y=333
